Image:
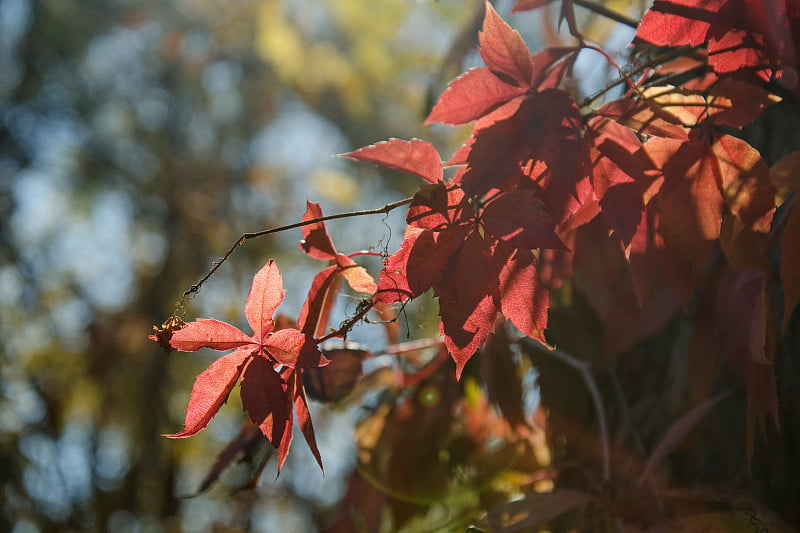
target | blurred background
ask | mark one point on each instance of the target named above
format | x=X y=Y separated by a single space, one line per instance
x=138 y=140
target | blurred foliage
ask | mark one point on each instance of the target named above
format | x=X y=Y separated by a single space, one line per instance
x=137 y=140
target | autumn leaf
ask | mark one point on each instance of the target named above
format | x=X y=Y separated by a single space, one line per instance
x=412 y=157
x=266 y=395
x=757 y=36
x=504 y=51
x=471 y=96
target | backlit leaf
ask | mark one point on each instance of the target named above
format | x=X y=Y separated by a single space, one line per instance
x=471 y=96
x=208 y=333
x=211 y=389
x=413 y=157
x=266 y=294
x=316 y=241
x=503 y=50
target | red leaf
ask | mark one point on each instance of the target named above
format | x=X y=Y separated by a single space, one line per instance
x=265 y=296
x=211 y=390
x=471 y=96
x=316 y=241
x=790 y=264
x=358 y=278
x=548 y=69
x=392 y=282
x=736 y=103
x=524 y=299
x=335 y=381
x=312 y=319
x=745 y=182
x=209 y=333
x=434 y=206
x=294 y=349
x=503 y=50
x=264 y=400
x=690 y=206
x=465 y=302
x=298 y=396
x=428 y=258
x=518 y=218
x=412 y=157
x=677 y=22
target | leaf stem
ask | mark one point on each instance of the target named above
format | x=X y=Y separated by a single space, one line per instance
x=194 y=289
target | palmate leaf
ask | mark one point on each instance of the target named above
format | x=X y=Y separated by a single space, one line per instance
x=266 y=396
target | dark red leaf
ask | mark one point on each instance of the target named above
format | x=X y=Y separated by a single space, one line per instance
x=518 y=218
x=434 y=206
x=312 y=319
x=335 y=381
x=527 y=5
x=466 y=303
x=392 y=282
x=244 y=446
x=429 y=256
x=316 y=241
x=264 y=399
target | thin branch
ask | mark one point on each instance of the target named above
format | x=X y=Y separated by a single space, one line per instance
x=194 y=289
x=661 y=58
x=607 y=13
x=348 y=324
x=585 y=370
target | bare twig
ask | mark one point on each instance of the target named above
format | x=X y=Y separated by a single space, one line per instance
x=669 y=55
x=194 y=289
x=585 y=370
